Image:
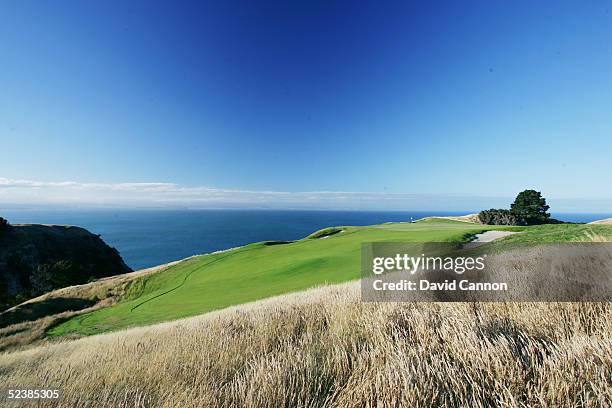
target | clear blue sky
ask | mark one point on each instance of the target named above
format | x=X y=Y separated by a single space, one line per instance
x=475 y=98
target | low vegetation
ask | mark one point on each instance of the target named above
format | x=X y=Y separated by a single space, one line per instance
x=325 y=348
x=499 y=217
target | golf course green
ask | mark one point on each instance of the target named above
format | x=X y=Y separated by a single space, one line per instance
x=260 y=270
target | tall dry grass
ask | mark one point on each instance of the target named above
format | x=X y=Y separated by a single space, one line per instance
x=324 y=347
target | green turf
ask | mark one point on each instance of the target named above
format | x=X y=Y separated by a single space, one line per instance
x=257 y=271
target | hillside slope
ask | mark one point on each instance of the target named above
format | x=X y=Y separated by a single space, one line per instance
x=215 y=281
x=326 y=348
x=261 y=270
x=253 y=272
x=209 y=282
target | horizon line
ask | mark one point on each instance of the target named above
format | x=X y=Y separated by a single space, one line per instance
x=23 y=193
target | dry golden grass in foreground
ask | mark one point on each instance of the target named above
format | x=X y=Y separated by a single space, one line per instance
x=324 y=347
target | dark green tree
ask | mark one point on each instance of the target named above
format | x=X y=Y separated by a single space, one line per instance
x=531 y=207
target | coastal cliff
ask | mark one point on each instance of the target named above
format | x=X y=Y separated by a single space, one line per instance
x=35 y=259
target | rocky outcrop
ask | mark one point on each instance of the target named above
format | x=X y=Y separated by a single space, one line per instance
x=35 y=259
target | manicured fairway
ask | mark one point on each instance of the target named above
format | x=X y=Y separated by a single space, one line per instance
x=260 y=270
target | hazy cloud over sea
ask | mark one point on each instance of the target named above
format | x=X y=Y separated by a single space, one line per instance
x=159 y=194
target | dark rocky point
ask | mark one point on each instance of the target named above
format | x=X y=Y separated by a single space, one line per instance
x=35 y=259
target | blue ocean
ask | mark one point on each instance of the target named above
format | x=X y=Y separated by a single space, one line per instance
x=151 y=237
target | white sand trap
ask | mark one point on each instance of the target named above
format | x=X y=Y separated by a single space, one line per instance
x=489 y=236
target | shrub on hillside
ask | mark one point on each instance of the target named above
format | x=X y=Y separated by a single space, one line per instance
x=499 y=217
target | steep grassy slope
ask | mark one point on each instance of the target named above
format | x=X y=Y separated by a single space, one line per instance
x=32 y=318
x=254 y=272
